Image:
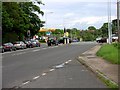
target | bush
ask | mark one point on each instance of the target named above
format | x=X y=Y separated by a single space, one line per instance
x=117 y=45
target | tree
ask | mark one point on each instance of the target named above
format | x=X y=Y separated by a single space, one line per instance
x=20 y=17
x=104 y=30
x=91 y=28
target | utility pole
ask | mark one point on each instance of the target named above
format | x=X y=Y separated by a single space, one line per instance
x=118 y=23
x=109 y=23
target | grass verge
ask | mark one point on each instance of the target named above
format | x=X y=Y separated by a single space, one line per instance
x=108 y=82
x=110 y=53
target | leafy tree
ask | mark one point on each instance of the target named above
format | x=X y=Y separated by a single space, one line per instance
x=20 y=17
x=104 y=30
x=91 y=28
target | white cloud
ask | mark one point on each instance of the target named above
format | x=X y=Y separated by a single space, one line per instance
x=68 y=15
x=76 y=13
x=88 y=21
x=73 y=1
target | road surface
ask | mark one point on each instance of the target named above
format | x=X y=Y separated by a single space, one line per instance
x=48 y=67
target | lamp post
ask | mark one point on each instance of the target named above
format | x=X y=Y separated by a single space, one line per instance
x=46 y=15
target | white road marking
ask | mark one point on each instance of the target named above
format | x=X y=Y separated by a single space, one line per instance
x=36 y=77
x=20 y=53
x=60 y=66
x=43 y=74
x=36 y=50
x=25 y=82
x=44 y=48
x=66 y=62
x=69 y=60
x=51 y=70
x=13 y=54
x=52 y=47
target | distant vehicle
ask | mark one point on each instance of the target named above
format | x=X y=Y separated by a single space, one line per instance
x=101 y=40
x=35 y=43
x=52 y=41
x=114 y=37
x=61 y=41
x=20 y=45
x=29 y=44
x=75 y=40
x=8 y=47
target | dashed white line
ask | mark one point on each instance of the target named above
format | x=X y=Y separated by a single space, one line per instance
x=66 y=62
x=69 y=60
x=36 y=77
x=25 y=82
x=43 y=74
x=51 y=70
x=36 y=50
x=44 y=48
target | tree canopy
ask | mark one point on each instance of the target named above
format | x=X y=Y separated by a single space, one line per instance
x=18 y=18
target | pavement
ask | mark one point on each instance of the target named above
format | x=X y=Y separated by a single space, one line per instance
x=99 y=66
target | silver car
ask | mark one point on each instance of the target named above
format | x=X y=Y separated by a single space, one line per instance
x=20 y=45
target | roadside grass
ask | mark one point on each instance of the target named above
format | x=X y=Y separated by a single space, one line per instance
x=110 y=84
x=110 y=52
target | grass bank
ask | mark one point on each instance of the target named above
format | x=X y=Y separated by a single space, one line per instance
x=110 y=53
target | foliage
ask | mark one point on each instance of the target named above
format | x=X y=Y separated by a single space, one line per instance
x=19 y=18
x=91 y=28
x=104 y=30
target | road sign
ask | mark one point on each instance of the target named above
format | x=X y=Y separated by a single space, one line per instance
x=48 y=33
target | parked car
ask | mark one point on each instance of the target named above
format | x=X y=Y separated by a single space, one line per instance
x=52 y=41
x=8 y=47
x=35 y=43
x=20 y=45
x=75 y=40
x=29 y=44
x=101 y=40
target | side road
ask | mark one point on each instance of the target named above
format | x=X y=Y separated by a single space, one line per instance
x=99 y=66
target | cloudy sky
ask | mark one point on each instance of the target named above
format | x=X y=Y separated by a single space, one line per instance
x=77 y=13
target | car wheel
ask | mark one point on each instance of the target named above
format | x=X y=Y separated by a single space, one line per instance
x=10 y=49
x=14 y=49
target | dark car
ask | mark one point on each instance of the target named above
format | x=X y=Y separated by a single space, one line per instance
x=29 y=44
x=8 y=47
x=52 y=42
x=101 y=40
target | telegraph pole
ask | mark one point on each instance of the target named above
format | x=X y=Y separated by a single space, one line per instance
x=118 y=19
x=109 y=23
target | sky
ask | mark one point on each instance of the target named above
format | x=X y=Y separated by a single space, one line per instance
x=78 y=14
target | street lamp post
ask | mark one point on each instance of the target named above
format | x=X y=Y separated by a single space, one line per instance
x=46 y=17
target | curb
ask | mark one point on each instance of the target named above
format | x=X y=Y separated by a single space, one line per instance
x=97 y=72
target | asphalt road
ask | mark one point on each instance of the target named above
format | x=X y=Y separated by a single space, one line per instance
x=48 y=67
